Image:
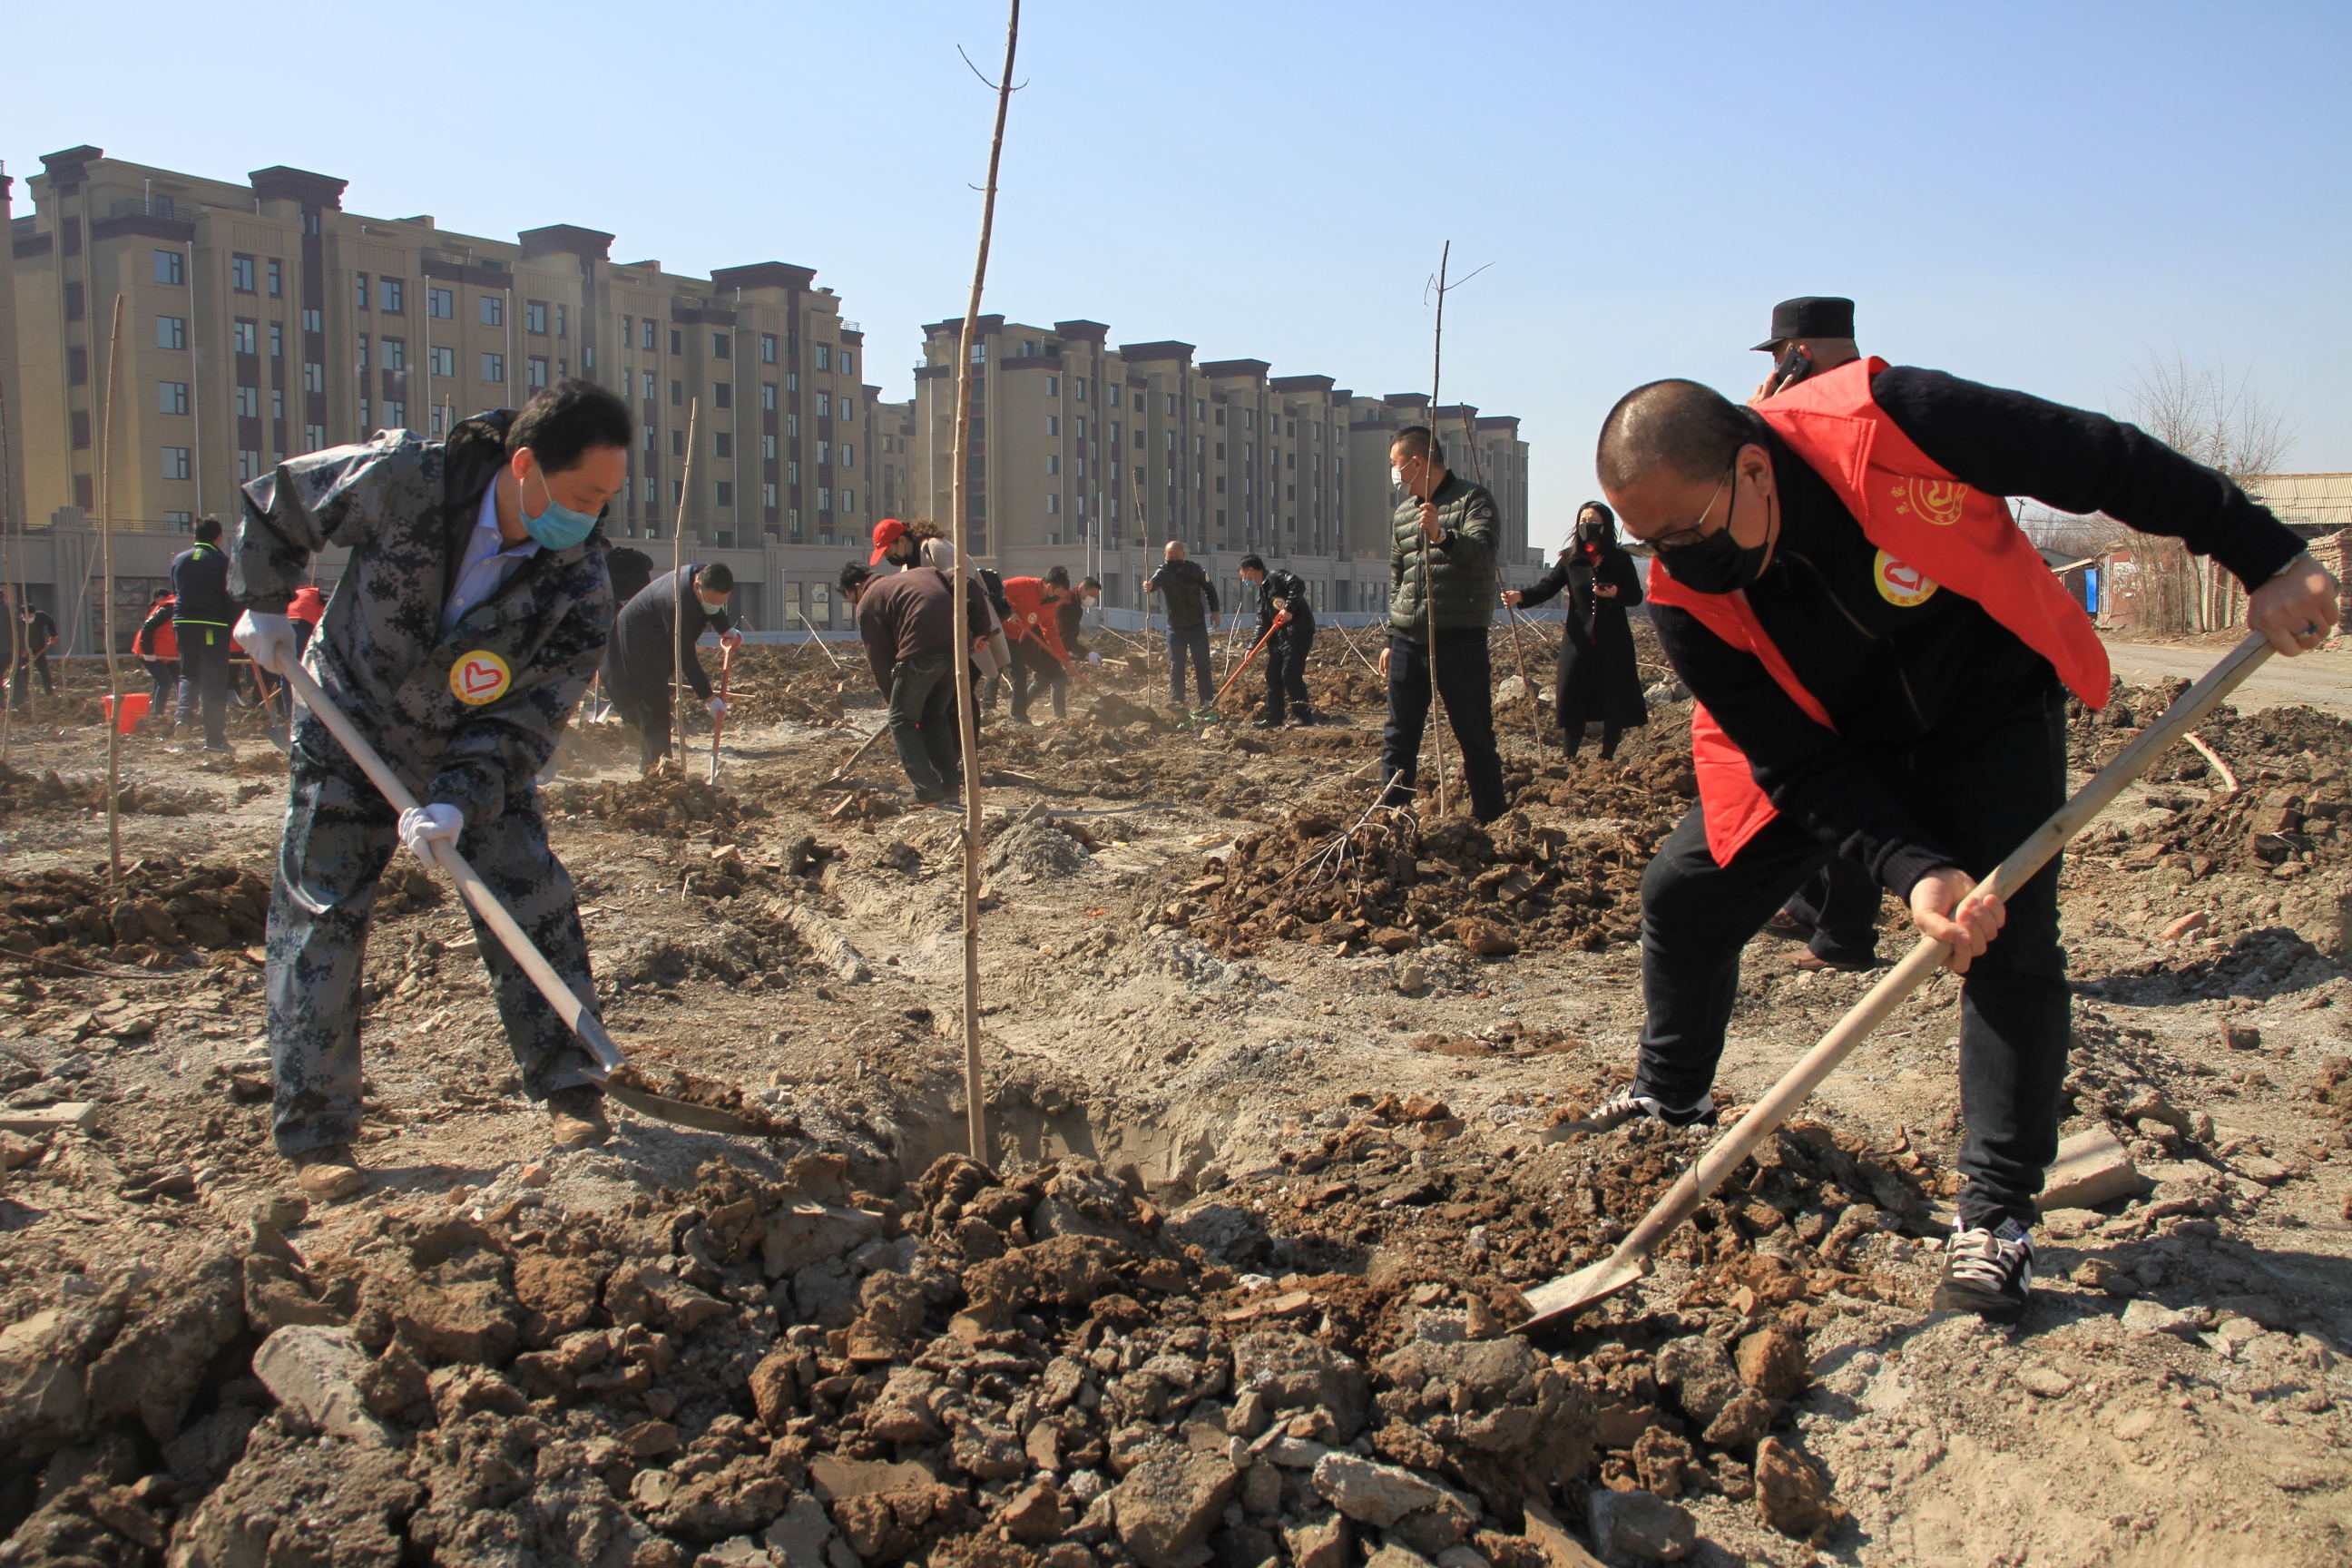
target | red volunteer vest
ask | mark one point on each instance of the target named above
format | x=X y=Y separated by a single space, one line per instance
x=1033 y=617
x=1934 y=534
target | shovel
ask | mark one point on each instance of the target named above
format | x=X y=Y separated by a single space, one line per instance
x=718 y=721
x=608 y=1061
x=1632 y=1261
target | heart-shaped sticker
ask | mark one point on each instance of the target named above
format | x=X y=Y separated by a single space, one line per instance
x=480 y=676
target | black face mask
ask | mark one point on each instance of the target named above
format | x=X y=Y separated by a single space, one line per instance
x=1717 y=563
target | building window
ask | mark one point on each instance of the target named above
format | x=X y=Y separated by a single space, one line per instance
x=823 y=454
x=824 y=498
x=768 y=497
x=240 y=273
x=1053 y=462
x=563 y=323
x=245 y=337
x=792 y=473
x=649 y=334
x=441 y=304
x=276 y=280
x=314 y=320
x=847 y=368
x=171 y=397
x=722 y=493
x=849 y=500
x=494 y=367
x=277 y=402
x=792 y=426
x=248 y=402
x=535 y=371
x=73 y=298
x=171 y=331
x=824 y=357
x=391 y=295
x=767 y=347
x=396 y=415
x=363 y=418
x=494 y=310
x=361 y=363
x=824 y=404
x=180 y=521
x=649 y=495
x=677 y=443
x=248 y=464
x=277 y=340
x=723 y=445
x=1077 y=389
x=1052 y=505
x=360 y=290
x=848 y=455
x=676 y=394
x=395 y=353
x=534 y=317
x=171 y=267
x=445 y=360
x=179 y=462
x=768 y=396
x=314 y=438
x=768 y=447
x=677 y=342
x=314 y=376
x=1053 y=386
x=721 y=346
x=722 y=394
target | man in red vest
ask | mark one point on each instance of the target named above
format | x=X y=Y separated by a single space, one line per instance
x=1880 y=659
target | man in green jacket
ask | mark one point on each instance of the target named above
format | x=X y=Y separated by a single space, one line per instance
x=1440 y=609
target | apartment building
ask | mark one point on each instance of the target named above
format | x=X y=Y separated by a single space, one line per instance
x=1095 y=457
x=260 y=319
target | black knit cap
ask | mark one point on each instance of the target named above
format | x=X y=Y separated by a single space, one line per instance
x=1809 y=316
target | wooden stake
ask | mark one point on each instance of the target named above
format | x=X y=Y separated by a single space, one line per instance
x=818 y=638
x=1437 y=716
x=677 y=595
x=13 y=590
x=1534 y=709
x=113 y=709
x=967 y=713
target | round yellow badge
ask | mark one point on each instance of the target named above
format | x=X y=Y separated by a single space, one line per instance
x=1900 y=586
x=482 y=676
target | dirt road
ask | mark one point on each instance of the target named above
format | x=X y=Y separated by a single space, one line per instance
x=2321 y=680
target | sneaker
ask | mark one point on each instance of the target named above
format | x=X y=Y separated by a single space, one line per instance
x=327 y=1173
x=1303 y=719
x=1787 y=926
x=220 y=747
x=1988 y=1272
x=1625 y=1105
x=1267 y=722
x=577 y=1117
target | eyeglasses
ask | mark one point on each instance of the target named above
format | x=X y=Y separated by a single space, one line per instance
x=1683 y=538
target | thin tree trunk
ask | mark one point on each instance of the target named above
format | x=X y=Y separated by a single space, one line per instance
x=112 y=709
x=677 y=595
x=966 y=714
x=1437 y=716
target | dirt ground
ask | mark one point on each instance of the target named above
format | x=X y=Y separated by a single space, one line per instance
x=1276 y=1156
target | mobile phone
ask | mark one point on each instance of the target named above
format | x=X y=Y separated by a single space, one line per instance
x=1794 y=366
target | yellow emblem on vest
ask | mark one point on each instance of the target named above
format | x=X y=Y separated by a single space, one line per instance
x=1937 y=501
x=1900 y=586
x=481 y=677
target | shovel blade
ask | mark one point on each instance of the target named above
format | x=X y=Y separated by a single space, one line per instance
x=680 y=1113
x=1572 y=1293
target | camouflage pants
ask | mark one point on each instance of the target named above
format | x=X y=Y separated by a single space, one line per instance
x=340 y=835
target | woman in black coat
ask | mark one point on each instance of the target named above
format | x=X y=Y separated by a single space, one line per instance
x=1599 y=681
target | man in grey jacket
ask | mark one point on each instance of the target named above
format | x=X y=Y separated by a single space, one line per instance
x=463 y=632
x=1443 y=585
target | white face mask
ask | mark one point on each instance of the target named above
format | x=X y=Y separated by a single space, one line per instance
x=1396 y=476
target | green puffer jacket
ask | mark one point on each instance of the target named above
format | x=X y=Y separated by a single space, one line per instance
x=1461 y=565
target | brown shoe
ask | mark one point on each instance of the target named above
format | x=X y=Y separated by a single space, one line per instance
x=576 y=1117
x=1812 y=963
x=329 y=1174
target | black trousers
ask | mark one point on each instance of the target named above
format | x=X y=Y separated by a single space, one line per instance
x=1465 y=682
x=39 y=664
x=162 y=682
x=1982 y=797
x=1031 y=661
x=646 y=713
x=1840 y=901
x=1286 y=672
x=923 y=723
x=1189 y=644
x=203 y=678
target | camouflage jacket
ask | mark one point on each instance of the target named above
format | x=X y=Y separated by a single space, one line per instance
x=405 y=508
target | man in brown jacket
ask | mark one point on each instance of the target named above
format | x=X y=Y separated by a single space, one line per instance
x=907 y=621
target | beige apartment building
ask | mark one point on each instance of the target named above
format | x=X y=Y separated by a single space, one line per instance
x=1094 y=457
x=260 y=319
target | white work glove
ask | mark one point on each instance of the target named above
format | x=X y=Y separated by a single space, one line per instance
x=718 y=707
x=268 y=639
x=425 y=824
x=1093 y=658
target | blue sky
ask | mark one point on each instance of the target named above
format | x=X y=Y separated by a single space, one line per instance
x=2032 y=194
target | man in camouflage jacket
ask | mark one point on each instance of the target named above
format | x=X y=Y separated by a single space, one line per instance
x=459 y=644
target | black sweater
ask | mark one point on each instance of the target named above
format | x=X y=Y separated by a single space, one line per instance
x=1891 y=677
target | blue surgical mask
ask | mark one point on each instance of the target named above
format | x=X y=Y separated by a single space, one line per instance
x=556 y=528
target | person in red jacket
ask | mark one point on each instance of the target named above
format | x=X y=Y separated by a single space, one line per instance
x=157 y=647
x=1880 y=660
x=1036 y=633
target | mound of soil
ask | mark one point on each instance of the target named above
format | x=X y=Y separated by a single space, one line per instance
x=21 y=791
x=666 y=805
x=161 y=910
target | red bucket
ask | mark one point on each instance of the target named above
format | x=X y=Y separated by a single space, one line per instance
x=134 y=708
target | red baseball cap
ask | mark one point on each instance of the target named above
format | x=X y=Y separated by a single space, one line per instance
x=887 y=532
